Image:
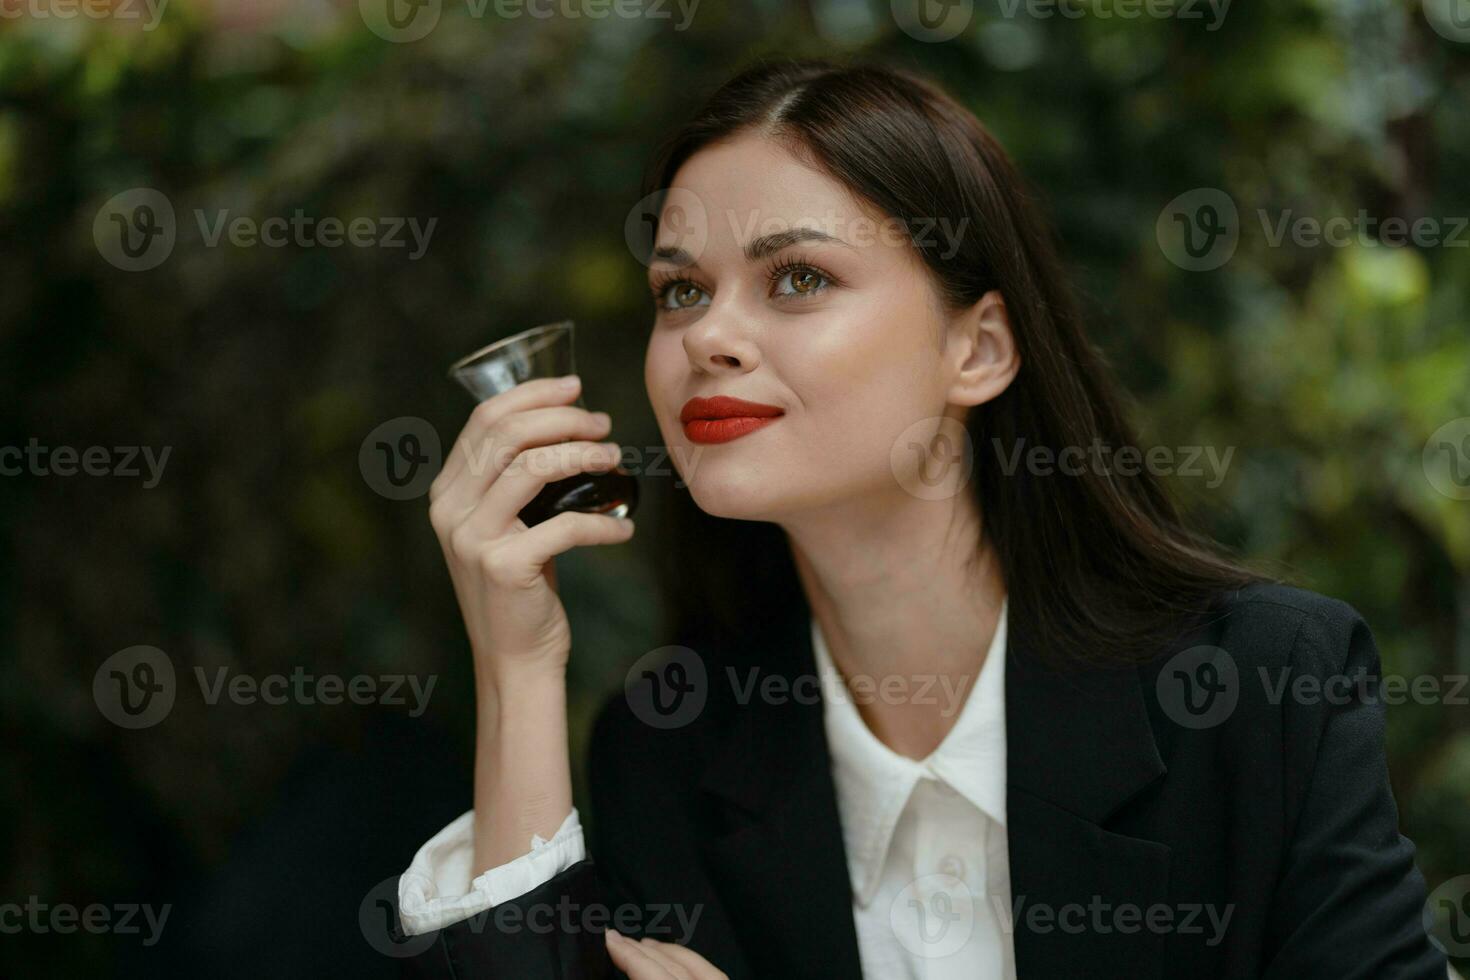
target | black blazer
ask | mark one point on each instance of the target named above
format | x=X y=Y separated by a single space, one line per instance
x=1279 y=814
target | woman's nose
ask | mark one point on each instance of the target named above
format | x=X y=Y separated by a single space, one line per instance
x=720 y=345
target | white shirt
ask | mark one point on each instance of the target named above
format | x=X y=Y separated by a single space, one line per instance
x=925 y=839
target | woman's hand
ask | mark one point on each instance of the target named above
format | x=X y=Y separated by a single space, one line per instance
x=511 y=447
x=649 y=959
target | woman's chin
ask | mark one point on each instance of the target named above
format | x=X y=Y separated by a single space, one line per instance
x=737 y=495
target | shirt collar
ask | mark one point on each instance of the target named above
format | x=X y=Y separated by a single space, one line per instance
x=874 y=783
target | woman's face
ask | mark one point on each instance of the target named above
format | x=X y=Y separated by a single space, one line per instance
x=843 y=336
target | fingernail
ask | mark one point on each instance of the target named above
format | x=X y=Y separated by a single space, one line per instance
x=613 y=935
x=602 y=417
x=570 y=381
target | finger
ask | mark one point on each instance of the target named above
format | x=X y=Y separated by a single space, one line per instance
x=633 y=960
x=479 y=463
x=659 y=952
x=697 y=965
x=534 y=548
x=528 y=475
x=535 y=393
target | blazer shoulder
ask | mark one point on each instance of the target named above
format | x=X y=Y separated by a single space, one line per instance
x=1271 y=624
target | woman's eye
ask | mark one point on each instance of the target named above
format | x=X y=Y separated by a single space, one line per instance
x=681 y=296
x=803 y=281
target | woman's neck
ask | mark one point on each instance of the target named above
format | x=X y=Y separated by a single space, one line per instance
x=904 y=594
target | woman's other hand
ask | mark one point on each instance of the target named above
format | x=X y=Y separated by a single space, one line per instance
x=649 y=959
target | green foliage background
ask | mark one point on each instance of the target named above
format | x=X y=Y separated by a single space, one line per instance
x=263 y=548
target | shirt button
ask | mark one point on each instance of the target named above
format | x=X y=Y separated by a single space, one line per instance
x=953 y=866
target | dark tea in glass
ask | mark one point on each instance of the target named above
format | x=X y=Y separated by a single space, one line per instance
x=546 y=352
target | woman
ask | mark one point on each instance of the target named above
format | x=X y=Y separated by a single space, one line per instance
x=1045 y=744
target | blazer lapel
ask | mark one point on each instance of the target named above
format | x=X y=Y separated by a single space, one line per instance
x=1079 y=745
x=779 y=854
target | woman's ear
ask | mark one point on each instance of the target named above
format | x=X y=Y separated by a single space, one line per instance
x=980 y=351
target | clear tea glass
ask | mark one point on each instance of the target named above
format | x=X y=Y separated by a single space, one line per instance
x=546 y=352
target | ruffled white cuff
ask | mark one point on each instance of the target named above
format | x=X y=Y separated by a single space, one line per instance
x=436 y=890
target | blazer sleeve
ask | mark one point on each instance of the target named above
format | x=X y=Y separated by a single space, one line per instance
x=540 y=917
x=555 y=930
x=552 y=932
x=1349 y=899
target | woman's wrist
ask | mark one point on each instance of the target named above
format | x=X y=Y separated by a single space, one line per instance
x=522 y=770
x=507 y=683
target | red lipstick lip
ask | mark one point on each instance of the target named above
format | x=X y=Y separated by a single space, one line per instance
x=725 y=407
x=726 y=429
x=722 y=418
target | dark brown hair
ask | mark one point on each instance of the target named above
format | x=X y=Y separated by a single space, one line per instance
x=1099 y=566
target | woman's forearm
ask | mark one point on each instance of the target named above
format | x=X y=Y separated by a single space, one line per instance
x=523 y=783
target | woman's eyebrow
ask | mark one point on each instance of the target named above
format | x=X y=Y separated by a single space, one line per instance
x=756 y=249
